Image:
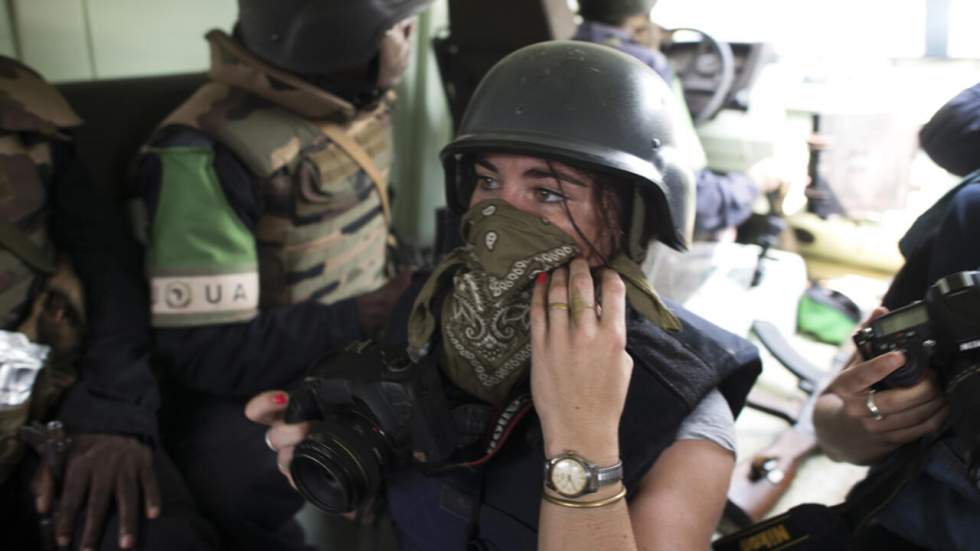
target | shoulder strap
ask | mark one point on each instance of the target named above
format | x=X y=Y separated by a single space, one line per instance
x=363 y=159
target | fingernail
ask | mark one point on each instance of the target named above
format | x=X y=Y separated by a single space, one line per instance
x=63 y=541
x=153 y=512
x=126 y=541
x=39 y=505
x=542 y=277
x=280 y=398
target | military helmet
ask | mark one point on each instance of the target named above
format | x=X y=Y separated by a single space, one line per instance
x=319 y=37
x=613 y=11
x=590 y=106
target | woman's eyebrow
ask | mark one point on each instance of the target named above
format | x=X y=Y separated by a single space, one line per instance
x=487 y=165
x=541 y=173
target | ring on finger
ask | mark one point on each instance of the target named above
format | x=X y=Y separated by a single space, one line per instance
x=872 y=407
x=558 y=306
x=269 y=442
x=581 y=307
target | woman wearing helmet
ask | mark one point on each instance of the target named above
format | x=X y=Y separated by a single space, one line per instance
x=563 y=172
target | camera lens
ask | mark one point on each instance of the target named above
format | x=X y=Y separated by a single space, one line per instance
x=338 y=467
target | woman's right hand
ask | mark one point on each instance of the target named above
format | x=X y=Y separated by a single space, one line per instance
x=845 y=426
x=269 y=408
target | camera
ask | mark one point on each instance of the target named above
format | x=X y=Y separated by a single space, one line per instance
x=940 y=331
x=372 y=407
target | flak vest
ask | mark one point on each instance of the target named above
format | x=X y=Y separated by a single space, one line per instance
x=320 y=166
x=33 y=114
x=496 y=506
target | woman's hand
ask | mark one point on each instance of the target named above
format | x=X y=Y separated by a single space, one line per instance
x=846 y=428
x=268 y=409
x=580 y=370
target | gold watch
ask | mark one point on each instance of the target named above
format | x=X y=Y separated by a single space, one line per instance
x=570 y=475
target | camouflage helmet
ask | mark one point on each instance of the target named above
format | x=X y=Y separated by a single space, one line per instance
x=590 y=106
x=613 y=11
x=319 y=37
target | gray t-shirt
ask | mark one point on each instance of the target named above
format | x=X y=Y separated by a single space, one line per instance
x=711 y=420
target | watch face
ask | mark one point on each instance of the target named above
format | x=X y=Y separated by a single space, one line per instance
x=569 y=477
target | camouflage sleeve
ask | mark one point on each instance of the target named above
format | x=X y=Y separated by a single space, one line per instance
x=272 y=347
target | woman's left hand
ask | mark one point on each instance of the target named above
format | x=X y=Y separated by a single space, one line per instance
x=580 y=370
x=269 y=408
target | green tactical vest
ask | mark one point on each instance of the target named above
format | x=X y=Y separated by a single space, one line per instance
x=32 y=115
x=323 y=231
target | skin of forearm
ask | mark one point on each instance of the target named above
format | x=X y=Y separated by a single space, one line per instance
x=841 y=438
x=568 y=529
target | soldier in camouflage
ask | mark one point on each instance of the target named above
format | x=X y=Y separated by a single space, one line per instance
x=73 y=347
x=263 y=204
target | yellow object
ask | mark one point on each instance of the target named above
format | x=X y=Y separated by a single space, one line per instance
x=864 y=245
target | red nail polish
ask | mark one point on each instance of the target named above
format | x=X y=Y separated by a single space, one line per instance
x=280 y=398
x=542 y=277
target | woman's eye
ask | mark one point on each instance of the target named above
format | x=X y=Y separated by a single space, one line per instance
x=546 y=195
x=486 y=182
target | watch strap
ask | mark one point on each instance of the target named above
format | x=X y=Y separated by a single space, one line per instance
x=609 y=475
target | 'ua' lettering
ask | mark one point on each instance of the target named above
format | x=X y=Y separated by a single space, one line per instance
x=217 y=292
x=239 y=293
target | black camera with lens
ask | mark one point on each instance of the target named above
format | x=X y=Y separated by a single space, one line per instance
x=940 y=331
x=372 y=407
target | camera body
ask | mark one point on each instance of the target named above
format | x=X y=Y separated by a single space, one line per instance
x=371 y=407
x=935 y=331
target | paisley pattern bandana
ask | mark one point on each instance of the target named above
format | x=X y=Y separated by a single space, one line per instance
x=485 y=318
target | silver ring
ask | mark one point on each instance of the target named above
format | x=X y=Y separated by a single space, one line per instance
x=269 y=442
x=872 y=408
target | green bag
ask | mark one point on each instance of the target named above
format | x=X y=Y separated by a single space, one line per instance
x=827 y=315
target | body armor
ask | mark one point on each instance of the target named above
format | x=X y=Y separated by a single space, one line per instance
x=320 y=165
x=496 y=505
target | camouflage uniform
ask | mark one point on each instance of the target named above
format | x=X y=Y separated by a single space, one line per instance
x=33 y=117
x=48 y=204
x=264 y=213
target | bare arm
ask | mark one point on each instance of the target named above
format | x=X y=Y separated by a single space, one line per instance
x=579 y=376
x=677 y=506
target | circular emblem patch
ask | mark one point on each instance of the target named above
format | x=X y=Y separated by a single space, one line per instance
x=177 y=294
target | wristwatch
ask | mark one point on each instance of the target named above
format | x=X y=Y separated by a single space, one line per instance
x=572 y=476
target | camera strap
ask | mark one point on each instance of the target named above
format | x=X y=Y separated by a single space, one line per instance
x=503 y=427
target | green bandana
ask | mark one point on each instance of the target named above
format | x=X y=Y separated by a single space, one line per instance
x=485 y=319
